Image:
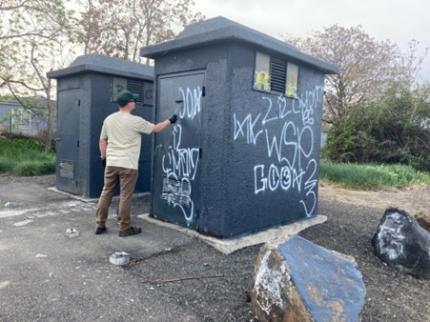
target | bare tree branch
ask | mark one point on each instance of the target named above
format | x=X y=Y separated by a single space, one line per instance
x=4 y=7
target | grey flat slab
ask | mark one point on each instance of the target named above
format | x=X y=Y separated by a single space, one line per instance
x=228 y=246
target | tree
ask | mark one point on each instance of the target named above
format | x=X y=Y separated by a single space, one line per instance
x=31 y=37
x=392 y=129
x=120 y=28
x=367 y=67
x=35 y=36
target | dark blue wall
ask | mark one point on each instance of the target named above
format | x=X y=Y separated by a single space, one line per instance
x=215 y=114
x=101 y=107
x=235 y=196
x=273 y=162
x=95 y=105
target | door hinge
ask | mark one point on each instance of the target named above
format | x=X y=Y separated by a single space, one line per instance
x=204 y=91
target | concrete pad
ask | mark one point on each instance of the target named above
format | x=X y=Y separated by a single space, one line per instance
x=227 y=246
x=27 y=193
x=92 y=200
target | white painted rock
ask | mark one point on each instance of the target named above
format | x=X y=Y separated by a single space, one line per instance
x=11 y=204
x=301 y=281
x=401 y=242
x=72 y=232
x=119 y=258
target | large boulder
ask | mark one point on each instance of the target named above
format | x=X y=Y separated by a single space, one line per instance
x=300 y=281
x=402 y=243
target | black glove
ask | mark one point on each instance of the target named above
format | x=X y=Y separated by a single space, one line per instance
x=104 y=162
x=173 y=119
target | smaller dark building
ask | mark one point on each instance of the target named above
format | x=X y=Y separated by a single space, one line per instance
x=244 y=155
x=86 y=94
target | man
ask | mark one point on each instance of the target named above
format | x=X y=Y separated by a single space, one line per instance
x=119 y=144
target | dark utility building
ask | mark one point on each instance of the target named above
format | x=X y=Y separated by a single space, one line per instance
x=86 y=94
x=244 y=155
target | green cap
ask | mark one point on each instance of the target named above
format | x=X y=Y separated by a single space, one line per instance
x=126 y=96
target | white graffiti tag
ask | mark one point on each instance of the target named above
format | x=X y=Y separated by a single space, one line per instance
x=289 y=144
x=191 y=102
x=180 y=164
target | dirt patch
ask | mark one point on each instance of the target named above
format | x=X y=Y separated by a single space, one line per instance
x=415 y=201
x=352 y=220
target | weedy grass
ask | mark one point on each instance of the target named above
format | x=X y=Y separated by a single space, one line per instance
x=372 y=176
x=25 y=157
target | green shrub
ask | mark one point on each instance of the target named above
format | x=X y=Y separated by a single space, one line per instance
x=392 y=130
x=33 y=168
x=5 y=165
x=25 y=157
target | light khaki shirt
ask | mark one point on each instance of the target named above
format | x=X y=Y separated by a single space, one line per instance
x=123 y=132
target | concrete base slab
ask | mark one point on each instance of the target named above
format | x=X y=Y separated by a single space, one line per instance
x=273 y=236
x=93 y=200
x=26 y=193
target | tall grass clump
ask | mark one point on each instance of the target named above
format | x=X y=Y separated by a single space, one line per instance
x=372 y=176
x=25 y=157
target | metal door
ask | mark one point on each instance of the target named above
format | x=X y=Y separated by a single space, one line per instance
x=176 y=179
x=67 y=144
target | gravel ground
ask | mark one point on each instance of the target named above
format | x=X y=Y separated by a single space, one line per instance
x=352 y=221
x=391 y=295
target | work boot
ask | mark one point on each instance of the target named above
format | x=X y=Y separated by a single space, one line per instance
x=100 y=230
x=130 y=231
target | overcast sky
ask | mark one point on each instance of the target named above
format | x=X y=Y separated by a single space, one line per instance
x=397 y=20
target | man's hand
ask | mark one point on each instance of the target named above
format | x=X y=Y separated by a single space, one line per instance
x=173 y=119
x=159 y=127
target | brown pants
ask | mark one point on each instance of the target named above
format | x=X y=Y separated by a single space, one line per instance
x=127 y=179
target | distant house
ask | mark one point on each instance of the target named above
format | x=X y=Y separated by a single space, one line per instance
x=30 y=121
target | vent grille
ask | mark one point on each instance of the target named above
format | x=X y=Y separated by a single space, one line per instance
x=278 y=69
x=136 y=86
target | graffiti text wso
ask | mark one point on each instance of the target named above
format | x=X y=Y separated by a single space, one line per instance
x=288 y=163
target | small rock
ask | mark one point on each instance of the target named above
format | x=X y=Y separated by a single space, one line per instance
x=300 y=281
x=41 y=256
x=4 y=284
x=401 y=242
x=23 y=223
x=72 y=232
x=10 y=204
x=119 y=258
x=51 y=274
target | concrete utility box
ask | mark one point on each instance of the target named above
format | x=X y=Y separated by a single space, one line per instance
x=244 y=155
x=86 y=94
